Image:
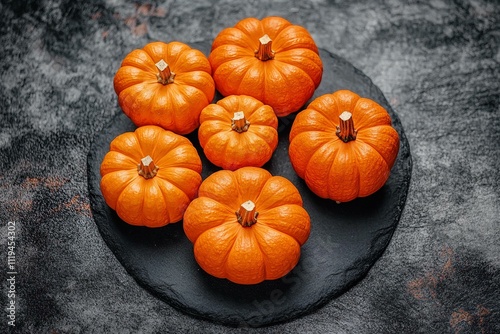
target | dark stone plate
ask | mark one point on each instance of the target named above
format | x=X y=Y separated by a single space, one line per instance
x=346 y=239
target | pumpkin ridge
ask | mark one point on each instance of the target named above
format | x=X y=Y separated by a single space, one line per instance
x=262 y=252
x=130 y=180
x=144 y=199
x=119 y=200
x=185 y=59
x=237 y=53
x=197 y=210
x=259 y=134
x=358 y=188
x=210 y=128
x=289 y=60
x=295 y=206
x=318 y=148
x=251 y=27
x=294 y=32
x=230 y=248
x=183 y=92
x=160 y=201
x=259 y=233
x=230 y=244
x=175 y=145
x=139 y=59
x=285 y=198
x=142 y=143
x=174 y=184
x=374 y=149
x=331 y=162
x=242 y=80
x=157 y=90
x=215 y=140
x=175 y=50
x=215 y=186
x=130 y=93
x=306 y=75
x=356 y=167
x=188 y=90
x=284 y=78
x=152 y=65
x=139 y=76
x=117 y=161
x=181 y=82
x=150 y=88
x=263 y=223
x=330 y=168
x=165 y=196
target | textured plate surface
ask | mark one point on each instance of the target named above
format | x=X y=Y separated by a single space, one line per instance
x=345 y=239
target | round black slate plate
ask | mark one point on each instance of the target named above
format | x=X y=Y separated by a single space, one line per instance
x=346 y=239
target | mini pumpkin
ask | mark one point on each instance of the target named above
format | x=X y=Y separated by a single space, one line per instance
x=343 y=146
x=149 y=176
x=247 y=225
x=238 y=131
x=165 y=84
x=271 y=59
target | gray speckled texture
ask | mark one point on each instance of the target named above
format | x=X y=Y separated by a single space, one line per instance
x=438 y=64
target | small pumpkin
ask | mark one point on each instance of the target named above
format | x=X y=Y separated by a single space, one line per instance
x=343 y=146
x=149 y=176
x=247 y=225
x=271 y=59
x=165 y=84
x=238 y=131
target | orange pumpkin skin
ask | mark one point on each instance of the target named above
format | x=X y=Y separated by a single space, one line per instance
x=238 y=131
x=347 y=168
x=283 y=73
x=150 y=194
x=171 y=97
x=251 y=250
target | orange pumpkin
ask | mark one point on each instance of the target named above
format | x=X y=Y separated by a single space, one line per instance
x=270 y=59
x=165 y=84
x=238 y=131
x=247 y=225
x=149 y=176
x=343 y=146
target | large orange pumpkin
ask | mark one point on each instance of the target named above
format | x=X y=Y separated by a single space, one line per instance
x=343 y=146
x=270 y=59
x=165 y=84
x=247 y=225
x=238 y=131
x=149 y=176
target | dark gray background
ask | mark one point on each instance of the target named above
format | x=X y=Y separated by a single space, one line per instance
x=437 y=63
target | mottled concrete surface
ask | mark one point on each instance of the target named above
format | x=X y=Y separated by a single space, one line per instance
x=437 y=63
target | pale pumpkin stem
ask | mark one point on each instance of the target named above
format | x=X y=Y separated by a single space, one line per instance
x=265 y=51
x=165 y=76
x=246 y=215
x=345 y=130
x=239 y=123
x=147 y=168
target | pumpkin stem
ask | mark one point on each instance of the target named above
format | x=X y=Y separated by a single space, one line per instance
x=165 y=76
x=246 y=215
x=239 y=123
x=345 y=130
x=265 y=52
x=147 y=168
